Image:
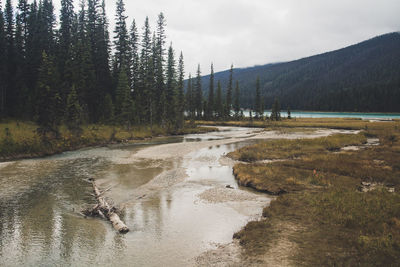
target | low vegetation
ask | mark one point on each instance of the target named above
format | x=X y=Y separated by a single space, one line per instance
x=330 y=123
x=289 y=149
x=326 y=215
x=21 y=139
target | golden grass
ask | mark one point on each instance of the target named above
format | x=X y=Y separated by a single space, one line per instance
x=289 y=149
x=337 y=225
x=20 y=139
x=331 y=123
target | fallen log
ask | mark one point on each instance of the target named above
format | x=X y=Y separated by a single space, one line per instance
x=105 y=210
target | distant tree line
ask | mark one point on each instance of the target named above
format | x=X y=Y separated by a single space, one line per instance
x=363 y=77
x=70 y=74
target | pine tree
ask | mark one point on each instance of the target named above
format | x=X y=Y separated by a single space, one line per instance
x=65 y=40
x=258 y=102
x=48 y=112
x=122 y=51
x=180 y=102
x=20 y=89
x=123 y=103
x=134 y=60
x=190 y=106
x=108 y=110
x=171 y=87
x=229 y=94
x=198 y=94
x=146 y=77
x=211 y=105
x=10 y=90
x=219 y=105
x=2 y=65
x=276 y=110
x=73 y=116
x=158 y=56
x=236 y=103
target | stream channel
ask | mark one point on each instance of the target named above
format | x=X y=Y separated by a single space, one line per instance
x=172 y=190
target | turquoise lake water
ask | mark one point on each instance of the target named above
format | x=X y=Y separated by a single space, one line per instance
x=312 y=114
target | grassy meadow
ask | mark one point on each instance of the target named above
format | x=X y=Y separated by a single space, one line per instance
x=19 y=139
x=335 y=207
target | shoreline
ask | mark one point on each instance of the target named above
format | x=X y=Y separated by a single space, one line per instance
x=103 y=143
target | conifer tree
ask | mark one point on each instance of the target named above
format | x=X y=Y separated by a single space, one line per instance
x=122 y=51
x=2 y=65
x=48 y=112
x=134 y=61
x=198 y=94
x=10 y=90
x=219 y=105
x=123 y=104
x=108 y=109
x=276 y=110
x=190 y=106
x=73 y=116
x=236 y=103
x=180 y=102
x=258 y=102
x=65 y=40
x=158 y=56
x=229 y=94
x=146 y=76
x=171 y=87
x=211 y=105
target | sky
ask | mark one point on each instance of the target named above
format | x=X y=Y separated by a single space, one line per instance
x=256 y=32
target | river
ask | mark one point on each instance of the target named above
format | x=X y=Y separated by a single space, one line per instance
x=172 y=190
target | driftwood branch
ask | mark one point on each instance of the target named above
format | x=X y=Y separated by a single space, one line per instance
x=105 y=210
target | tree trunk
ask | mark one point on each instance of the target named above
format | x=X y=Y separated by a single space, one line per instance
x=104 y=209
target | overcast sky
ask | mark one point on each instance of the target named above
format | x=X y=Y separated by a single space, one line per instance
x=255 y=32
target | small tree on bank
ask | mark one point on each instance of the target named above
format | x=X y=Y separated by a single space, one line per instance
x=276 y=111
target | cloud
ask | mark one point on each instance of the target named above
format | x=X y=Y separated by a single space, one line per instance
x=250 y=32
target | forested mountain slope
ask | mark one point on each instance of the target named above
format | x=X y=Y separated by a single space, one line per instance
x=361 y=77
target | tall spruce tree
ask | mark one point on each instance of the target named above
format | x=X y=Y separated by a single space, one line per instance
x=10 y=89
x=210 y=104
x=65 y=36
x=134 y=60
x=258 y=101
x=73 y=116
x=198 y=94
x=123 y=103
x=229 y=94
x=236 y=103
x=219 y=105
x=180 y=102
x=48 y=111
x=122 y=51
x=146 y=77
x=190 y=106
x=2 y=65
x=170 y=92
x=159 y=54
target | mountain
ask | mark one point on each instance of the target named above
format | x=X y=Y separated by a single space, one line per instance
x=361 y=77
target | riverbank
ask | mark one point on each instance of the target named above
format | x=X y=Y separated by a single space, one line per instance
x=20 y=140
x=287 y=124
x=338 y=198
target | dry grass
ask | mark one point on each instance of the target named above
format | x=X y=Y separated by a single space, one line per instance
x=289 y=149
x=20 y=139
x=339 y=225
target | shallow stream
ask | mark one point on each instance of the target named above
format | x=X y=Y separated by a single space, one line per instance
x=177 y=206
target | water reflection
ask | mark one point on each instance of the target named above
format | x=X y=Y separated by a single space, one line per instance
x=40 y=202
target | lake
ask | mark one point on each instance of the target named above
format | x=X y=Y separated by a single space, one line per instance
x=316 y=114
